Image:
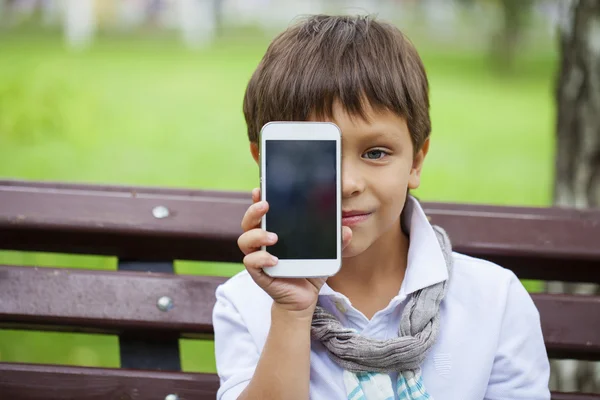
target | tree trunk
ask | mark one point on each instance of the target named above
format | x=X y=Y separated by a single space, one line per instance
x=505 y=42
x=577 y=182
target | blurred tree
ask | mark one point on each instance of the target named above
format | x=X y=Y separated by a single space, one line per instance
x=577 y=182
x=514 y=20
x=515 y=16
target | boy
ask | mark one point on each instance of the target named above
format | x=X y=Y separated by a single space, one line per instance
x=405 y=318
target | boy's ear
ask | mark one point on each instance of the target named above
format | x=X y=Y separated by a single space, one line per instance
x=254 y=151
x=414 y=180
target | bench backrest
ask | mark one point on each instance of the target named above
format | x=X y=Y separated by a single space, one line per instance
x=150 y=307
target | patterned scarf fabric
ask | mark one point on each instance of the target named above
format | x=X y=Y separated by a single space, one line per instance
x=409 y=386
x=368 y=362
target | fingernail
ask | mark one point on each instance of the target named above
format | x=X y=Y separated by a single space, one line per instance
x=272 y=237
x=274 y=259
x=262 y=205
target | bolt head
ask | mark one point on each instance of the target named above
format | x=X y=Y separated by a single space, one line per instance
x=165 y=303
x=172 y=397
x=160 y=212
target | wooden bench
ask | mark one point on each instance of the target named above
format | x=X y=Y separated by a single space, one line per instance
x=150 y=308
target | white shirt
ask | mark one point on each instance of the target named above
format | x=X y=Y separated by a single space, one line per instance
x=490 y=344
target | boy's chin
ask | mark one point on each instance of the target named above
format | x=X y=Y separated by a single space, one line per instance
x=353 y=249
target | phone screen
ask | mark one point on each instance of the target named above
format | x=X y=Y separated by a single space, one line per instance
x=300 y=183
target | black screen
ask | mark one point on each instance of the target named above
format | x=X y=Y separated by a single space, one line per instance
x=300 y=180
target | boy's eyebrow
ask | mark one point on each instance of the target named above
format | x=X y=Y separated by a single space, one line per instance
x=378 y=134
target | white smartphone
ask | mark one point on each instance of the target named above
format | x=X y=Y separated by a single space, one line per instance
x=300 y=179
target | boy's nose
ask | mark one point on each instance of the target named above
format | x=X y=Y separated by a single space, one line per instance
x=352 y=181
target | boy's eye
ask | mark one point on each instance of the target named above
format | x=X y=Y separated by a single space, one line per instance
x=374 y=154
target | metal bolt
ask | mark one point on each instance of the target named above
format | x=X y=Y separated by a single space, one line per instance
x=165 y=303
x=160 y=212
x=172 y=397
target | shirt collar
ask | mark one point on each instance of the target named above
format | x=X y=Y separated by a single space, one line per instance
x=426 y=264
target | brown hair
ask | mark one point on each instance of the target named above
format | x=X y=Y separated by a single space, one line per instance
x=351 y=59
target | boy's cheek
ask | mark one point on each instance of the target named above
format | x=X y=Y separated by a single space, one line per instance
x=362 y=238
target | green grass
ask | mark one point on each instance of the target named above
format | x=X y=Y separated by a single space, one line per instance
x=151 y=113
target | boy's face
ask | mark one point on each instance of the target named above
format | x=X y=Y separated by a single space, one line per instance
x=378 y=167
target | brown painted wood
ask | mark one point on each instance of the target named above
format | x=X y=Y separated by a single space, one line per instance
x=121 y=302
x=53 y=382
x=104 y=301
x=574 y=396
x=202 y=225
x=571 y=325
x=537 y=243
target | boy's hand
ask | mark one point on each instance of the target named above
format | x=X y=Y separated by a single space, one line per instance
x=292 y=294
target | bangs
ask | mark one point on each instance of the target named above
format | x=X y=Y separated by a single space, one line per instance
x=353 y=64
x=355 y=61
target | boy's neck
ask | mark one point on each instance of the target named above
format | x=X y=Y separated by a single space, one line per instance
x=380 y=269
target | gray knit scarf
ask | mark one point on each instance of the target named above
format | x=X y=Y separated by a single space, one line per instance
x=419 y=328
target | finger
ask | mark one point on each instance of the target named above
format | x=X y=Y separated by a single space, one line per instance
x=254 y=214
x=252 y=240
x=255 y=195
x=317 y=282
x=346 y=236
x=260 y=277
x=259 y=259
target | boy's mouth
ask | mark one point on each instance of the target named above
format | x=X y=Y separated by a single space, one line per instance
x=351 y=218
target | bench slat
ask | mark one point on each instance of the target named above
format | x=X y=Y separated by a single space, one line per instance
x=105 y=301
x=51 y=382
x=570 y=324
x=118 y=302
x=574 y=396
x=202 y=225
x=537 y=243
